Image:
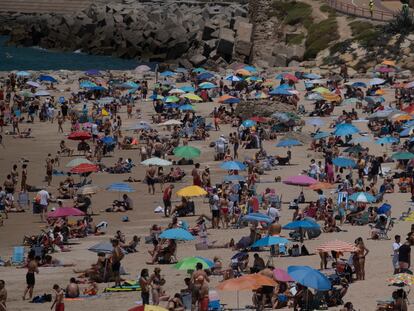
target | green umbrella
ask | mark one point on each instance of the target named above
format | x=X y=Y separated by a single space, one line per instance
x=187 y=152
x=171 y=99
x=403 y=156
x=26 y=94
x=189 y=263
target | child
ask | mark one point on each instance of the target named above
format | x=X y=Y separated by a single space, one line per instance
x=58 y=302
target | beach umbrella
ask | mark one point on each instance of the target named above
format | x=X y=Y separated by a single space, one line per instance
x=331 y=97
x=187 y=88
x=199 y=70
x=108 y=140
x=147 y=308
x=233 y=100
x=385 y=69
x=344 y=162
x=78 y=161
x=93 y=72
x=249 y=123
x=46 y=78
x=246 y=282
x=315 y=122
x=236 y=178
x=186 y=107
x=187 y=152
x=120 y=187
x=269 y=241
x=289 y=143
x=141 y=125
x=302 y=224
x=254 y=78
x=345 y=130
x=259 y=119
x=376 y=81
x=362 y=139
x=171 y=99
x=403 y=156
x=23 y=74
x=287 y=76
x=310 y=277
x=176 y=91
x=281 y=275
x=181 y=70
x=375 y=99
x=313 y=96
x=156 y=97
x=222 y=98
x=233 y=166
x=84 y=168
x=321 y=186
x=311 y=76
x=384 y=208
x=192 y=96
x=171 y=122
x=386 y=140
x=300 y=180
x=320 y=135
x=354 y=149
x=407 y=132
x=87 y=190
x=79 y=135
x=363 y=197
x=156 y=161
x=321 y=90
x=189 y=263
x=401 y=279
x=65 y=212
x=257 y=217
x=103 y=247
x=280 y=91
x=350 y=101
x=33 y=84
x=191 y=191
x=167 y=74
x=233 y=78
x=337 y=246
x=205 y=76
x=87 y=84
x=243 y=72
x=142 y=68
x=400 y=118
x=42 y=93
x=409 y=85
x=207 y=85
x=250 y=68
x=176 y=234
x=388 y=63
x=359 y=84
x=130 y=85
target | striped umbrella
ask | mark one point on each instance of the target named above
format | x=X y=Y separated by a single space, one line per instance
x=84 y=168
x=401 y=278
x=337 y=246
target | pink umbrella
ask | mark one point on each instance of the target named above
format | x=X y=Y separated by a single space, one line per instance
x=282 y=276
x=65 y=212
x=385 y=69
x=300 y=180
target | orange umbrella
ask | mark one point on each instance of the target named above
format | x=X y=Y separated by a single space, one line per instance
x=404 y=117
x=337 y=246
x=321 y=185
x=246 y=282
x=331 y=97
x=380 y=92
x=389 y=63
x=223 y=98
x=243 y=72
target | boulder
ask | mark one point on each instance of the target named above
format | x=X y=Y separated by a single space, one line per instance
x=198 y=60
x=244 y=38
x=226 y=42
x=209 y=28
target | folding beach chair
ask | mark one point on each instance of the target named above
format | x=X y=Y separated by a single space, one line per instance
x=18 y=255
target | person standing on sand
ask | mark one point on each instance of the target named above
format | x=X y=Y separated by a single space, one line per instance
x=117 y=256
x=58 y=302
x=196 y=175
x=167 y=199
x=60 y=121
x=43 y=197
x=49 y=171
x=23 y=182
x=395 y=249
x=145 y=286
x=404 y=254
x=32 y=268
x=150 y=177
x=3 y=296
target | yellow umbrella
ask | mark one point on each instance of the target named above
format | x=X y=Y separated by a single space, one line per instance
x=404 y=117
x=191 y=191
x=243 y=72
x=192 y=96
x=380 y=92
x=321 y=90
x=331 y=97
x=104 y=113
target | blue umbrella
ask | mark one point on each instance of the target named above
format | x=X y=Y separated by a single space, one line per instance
x=362 y=139
x=98 y=88
x=167 y=74
x=232 y=101
x=344 y=162
x=309 y=277
x=269 y=241
x=205 y=76
x=233 y=78
x=120 y=187
x=315 y=122
x=250 y=68
x=229 y=178
x=345 y=129
x=23 y=74
x=103 y=247
x=257 y=217
x=199 y=70
x=171 y=105
x=47 y=78
x=108 y=140
x=359 y=84
x=289 y=143
x=302 y=224
x=384 y=208
x=364 y=197
x=254 y=78
x=233 y=165
x=187 y=89
x=130 y=85
x=387 y=140
x=93 y=72
x=320 y=135
x=209 y=262
x=186 y=107
x=87 y=84
x=177 y=234
x=280 y=91
x=248 y=123
x=374 y=99
x=311 y=76
x=181 y=70
x=207 y=85
x=406 y=132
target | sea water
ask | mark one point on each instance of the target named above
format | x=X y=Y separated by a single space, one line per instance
x=35 y=58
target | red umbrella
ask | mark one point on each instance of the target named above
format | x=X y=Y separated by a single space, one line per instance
x=84 y=168
x=65 y=212
x=409 y=109
x=259 y=119
x=290 y=77
x=80 y=135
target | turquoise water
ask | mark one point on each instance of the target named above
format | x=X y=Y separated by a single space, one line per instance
x=32 y=58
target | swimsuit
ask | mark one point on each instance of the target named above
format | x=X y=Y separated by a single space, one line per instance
x=30 y=279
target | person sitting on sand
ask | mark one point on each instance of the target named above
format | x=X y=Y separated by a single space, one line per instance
x=91 y=290
x=64 y=149
x=3 y=296
x=131 y=247
x=72 y=290
x=155 y=252
x=175 y=303
x=182 y=205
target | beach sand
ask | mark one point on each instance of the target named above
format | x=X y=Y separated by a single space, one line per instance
x=363 y=294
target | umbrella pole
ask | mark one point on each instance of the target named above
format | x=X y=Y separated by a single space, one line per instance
x=238 y=305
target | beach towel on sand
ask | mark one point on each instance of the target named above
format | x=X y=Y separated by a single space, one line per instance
x=127 y=286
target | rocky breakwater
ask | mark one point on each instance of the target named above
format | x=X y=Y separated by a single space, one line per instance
x=186 y=33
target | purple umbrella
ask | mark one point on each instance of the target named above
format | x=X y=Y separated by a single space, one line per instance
x=300 y=180
x=385 y=69
x=282 y=276
x=93 y=72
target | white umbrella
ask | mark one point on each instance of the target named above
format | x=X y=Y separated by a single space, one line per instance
x=171 y=122
x=156 y=161
x=176 y=91
x=142 y=68
x=32 y=83
x=42 y=93
x=85 y=190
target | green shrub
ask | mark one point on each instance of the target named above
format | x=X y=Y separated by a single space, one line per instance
x=402 y=24
x=295 y=39
x=320 y=36
x=327 y=9
x=292 y=12
x=358 y=27
x=340 y=47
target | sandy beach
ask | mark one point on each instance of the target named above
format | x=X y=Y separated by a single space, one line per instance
x=363 y=294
